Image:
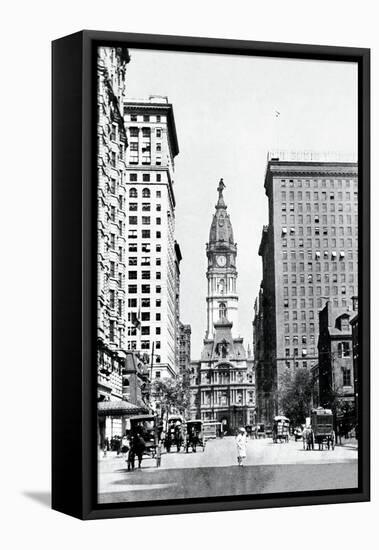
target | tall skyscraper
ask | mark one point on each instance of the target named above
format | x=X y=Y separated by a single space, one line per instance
x=152 y=279
x=222 y=382
x=309 y=255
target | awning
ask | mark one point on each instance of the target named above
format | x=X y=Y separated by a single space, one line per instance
x=119 y=408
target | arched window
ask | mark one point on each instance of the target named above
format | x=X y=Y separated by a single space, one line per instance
x=133 y=193
x=222 y=310
x=146 y=193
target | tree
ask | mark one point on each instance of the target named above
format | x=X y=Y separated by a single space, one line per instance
x=295 y=395
x=172 y=394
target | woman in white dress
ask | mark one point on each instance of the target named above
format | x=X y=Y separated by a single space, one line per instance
x=241 y=441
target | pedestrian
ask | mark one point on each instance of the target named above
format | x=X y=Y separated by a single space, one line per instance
x=132 y=453
x=139 y=446
x=241 y=442
x=159 y=453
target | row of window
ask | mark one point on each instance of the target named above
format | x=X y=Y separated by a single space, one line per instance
x=145 y=345
x=145 y=261
x=145 y=234
x=317 y=266
x=144 y=302
x=145 y=289
x=315 y=183
x=328 y=277
x=134 y=131
x=145 y=207
x=146 y=193
x=325 y=291
x=323 y=195
x=145 y=247
x=145 y=177
x=325 y=208
x=311 y=254
x=146 y=220
x=345 y=220
x=144 y=274
x=337 y=302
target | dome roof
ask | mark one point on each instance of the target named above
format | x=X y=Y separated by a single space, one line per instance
x=221 y=231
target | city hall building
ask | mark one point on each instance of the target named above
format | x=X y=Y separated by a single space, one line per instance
x=222 y=381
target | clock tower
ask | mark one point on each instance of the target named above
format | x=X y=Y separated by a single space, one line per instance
x=222 y=299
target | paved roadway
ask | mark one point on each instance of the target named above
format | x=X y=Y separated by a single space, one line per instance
x=268 y=468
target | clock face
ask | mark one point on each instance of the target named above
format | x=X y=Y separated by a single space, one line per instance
x=221 y=260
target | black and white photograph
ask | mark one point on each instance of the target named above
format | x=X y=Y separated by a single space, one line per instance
x=227 y=275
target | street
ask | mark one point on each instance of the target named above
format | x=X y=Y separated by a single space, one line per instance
x=268 y=468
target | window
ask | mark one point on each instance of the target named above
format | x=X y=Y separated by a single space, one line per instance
x=132 y=247
x=158 y=330
x=158 y=220
x=132 y=275
x=132 y=233
x=145 y=220
x=145 y=289
x=132 y=302
x=158 y=194
x=145 y=131
x=132 y=220
x=346 y=376
x=145 y=178
x=133 y=193
x=145 y=302
x=133 y=206
x=157 y=316
x=158 y=289
x=146 y=206
x=133 y=132
x=112 y=269
x=158 y=303
x=111 y=299
x=146 y=233
x=132 y=260
x=158 y=177
x=158 y=133
x=158 y=275
x=146 y=193
x=145 y=275
x=145 y=316
x=112 y=330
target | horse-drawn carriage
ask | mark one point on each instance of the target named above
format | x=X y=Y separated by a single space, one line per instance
x=149 y=427
x=194 y=435
x=281 y=429
x=322 y=428
x=174 y=433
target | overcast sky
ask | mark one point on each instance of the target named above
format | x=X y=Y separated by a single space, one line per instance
x=224 y=109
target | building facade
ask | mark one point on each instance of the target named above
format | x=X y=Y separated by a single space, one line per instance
x=336 y=376
x=111 y=163
x=222 y=382
x=151 y=283
x=184 y=348
x=309 y=255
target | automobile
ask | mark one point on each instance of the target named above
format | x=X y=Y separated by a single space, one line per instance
x=298 y=433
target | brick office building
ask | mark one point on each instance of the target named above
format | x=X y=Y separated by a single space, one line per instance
x=309 y=255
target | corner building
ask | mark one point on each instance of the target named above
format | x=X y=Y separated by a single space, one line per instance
x=152 y=259
x=309 y=255
x=222 y=382
x=111 y=162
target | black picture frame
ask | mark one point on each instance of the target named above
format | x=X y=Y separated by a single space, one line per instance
x=74 y=456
